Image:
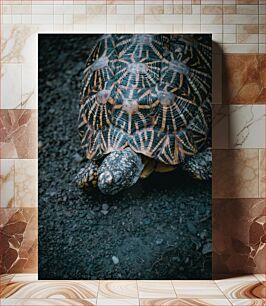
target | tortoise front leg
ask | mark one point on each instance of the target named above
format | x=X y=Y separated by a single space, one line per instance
x=87 y=175
x=200 y=165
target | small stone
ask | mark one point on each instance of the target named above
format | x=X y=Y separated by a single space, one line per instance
x=105 y=207
x=104 y=212
x=146 y=221
x=77 y=158
x=115 y=260
x=207 y=248
x=159 y=241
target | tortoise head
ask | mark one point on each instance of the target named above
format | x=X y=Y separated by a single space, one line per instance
x=119 y=170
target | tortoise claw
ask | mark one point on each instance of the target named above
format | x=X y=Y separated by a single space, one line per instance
x=87 y=176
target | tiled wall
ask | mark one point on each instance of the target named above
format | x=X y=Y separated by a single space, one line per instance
x=238 y=28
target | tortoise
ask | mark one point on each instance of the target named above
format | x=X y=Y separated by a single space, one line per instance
x=145 y=105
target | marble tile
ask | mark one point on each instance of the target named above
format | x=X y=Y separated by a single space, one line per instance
x=243 y=79
x=7 y=183
x=242 y=287
x=184 y=302
x=240 y=49
x=5 y=279
x=262 y=171
x=29 y=86
x=26 y=183
x=247 y=126
x=48 y=302
x=248 y=302
x=25 y=277
x=197 y=289
x=235 y=173
x=11 y=86
x=18 y=232
x=248 y=29
x=220 y=126
x=156 y=289
x=118 y=302
x=118 y=290
x=19 y=44
x=261 y=277
x=51 y=290
x=211 y=9
x=18 y=134
x=239 y=245
x=247 y=1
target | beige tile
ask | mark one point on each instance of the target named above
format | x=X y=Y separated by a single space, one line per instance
x=229 y=28
x=178 y=9
x=79 y=9
x=111 y=10
x=163 y=19
x=43 y=9
x=197 y=289
x=154 y=9
x=248 y=302
x=247 y=126
x=247 y=38
x=159 y=28
x=7 y=183
x=235 y=173
x=25 y=277
x=42 y=19
x=119 y=19
x=139 y=19
x=168 y=9
x=240 y=19
x=29 y=86
x=240 y=48
x=117 y=302
x=51 y=290
x=211 y=19
x=262 y=171
x=247 y=9
x=191 y=19
x=184 y=302
x=125 y=9
x=195 y=9
x=211 y=9
x=21 y=9
x=216 y=28
x=48 y=302
x=96 y=9
x=18 y=133
x=155 y=289
x=26 y=183
x=229 y=38
x=262 y=9
x=229 y=9
x=260 y=277
x=10 y=86
x=118 y=290
x=242 y=287
x=187 y=9
x=191 y=28
x=247 y=29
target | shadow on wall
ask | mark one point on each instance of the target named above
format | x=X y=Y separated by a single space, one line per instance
x=238 y=225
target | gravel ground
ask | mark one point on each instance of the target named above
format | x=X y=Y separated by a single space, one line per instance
x=158 y=229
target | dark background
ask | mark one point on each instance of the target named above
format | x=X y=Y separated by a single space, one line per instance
x=158 y=229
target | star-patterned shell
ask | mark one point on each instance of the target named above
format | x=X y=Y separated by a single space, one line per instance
x=149 y=92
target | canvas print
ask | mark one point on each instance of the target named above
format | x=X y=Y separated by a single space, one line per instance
x=125 y=160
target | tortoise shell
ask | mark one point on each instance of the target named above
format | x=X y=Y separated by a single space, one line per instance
x=149 y=92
